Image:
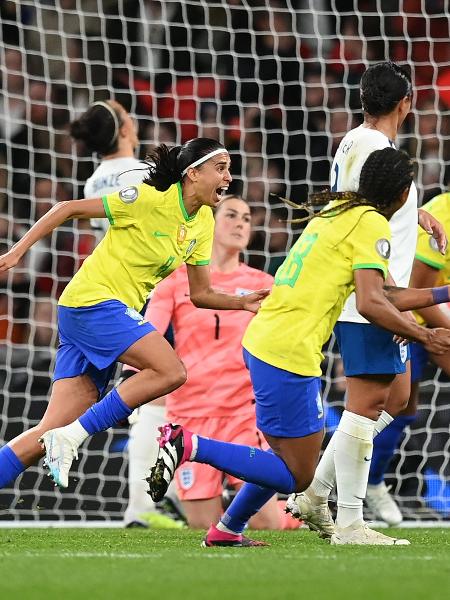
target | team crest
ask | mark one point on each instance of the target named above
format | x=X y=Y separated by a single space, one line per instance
x=129 y=194
x=133 y=313
x=182 y=233
x=434 y=244
x=403 y=352
x=186 y=477
x=383 y=247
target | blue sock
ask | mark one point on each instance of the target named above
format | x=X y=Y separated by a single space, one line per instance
x=246 y=503
x=106 y=413
x=384 y=446
x=247 y=463
x=10 y=466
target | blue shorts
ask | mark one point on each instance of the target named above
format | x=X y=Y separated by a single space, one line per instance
x=92 y=338
x=287 y=405
x=369 y=350
x=419 y=360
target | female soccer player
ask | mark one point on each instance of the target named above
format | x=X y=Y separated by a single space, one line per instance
x=217 y=399
x=346 y=247
x=107 y=129
x=376 y=367
x=430 y=268
x=154 y=228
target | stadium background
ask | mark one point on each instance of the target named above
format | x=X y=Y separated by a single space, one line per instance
x=277 y=82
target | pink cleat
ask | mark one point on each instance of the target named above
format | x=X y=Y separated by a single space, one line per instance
x=215 y=537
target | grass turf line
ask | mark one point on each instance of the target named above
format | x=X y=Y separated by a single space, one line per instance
x=96 y=564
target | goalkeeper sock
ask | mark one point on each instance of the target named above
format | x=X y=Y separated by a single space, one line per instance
x=10 y=466
x=246 y=503
x=385 y=445
x=352 y=456
x=106 y=413
x=325 y=475
x=247 y=463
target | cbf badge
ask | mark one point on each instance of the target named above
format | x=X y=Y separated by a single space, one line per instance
x=182 y=233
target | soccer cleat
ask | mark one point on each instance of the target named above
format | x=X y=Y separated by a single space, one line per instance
x=60 y=451
x=316 y=515
x=361 y=535
x=215 y=537
x=175 y=448
x=382 y=504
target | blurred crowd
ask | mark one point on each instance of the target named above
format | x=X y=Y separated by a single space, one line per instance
x=275 y=80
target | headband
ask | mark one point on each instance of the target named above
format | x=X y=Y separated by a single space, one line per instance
x=203 y=159
x=114 y=116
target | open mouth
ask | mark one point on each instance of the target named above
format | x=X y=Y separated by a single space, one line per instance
x=220 y=192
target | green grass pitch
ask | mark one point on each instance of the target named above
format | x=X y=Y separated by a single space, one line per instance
x=94 y=564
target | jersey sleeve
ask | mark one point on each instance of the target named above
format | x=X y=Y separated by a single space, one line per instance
x=371 y=243
x=124 y=207
x=427 y=250
x=201 y=254
x=162 y=303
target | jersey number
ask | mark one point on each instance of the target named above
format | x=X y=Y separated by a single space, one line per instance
x=289 y=271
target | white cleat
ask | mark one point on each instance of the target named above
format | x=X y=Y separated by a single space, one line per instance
x=314 y=514
x=382 y=504
x=360 y=534
x=60 y=452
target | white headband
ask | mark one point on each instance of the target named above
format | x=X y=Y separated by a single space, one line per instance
x=114 y=116
x=203 y=159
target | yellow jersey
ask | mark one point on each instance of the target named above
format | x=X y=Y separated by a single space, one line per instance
x=150 y=235
x=311 y=286
x=427 y=250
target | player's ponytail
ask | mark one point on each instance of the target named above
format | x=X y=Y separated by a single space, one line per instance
x=168 y=166
x=384 y=176
x=98 y=128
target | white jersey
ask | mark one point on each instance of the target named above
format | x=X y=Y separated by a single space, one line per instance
x=345 y=172
x=111 y=176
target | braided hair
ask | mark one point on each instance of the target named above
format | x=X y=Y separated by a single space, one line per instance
x=167 y=165
x=384 y=176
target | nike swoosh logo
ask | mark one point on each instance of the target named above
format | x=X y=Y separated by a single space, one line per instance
x=367 y=459
x=160 y=234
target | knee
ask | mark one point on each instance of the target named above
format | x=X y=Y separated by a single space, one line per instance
x=177 y=375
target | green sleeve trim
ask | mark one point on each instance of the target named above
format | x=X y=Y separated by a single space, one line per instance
x=377 y=266
x=429 y=262
x=107 y=211
x=202 y=262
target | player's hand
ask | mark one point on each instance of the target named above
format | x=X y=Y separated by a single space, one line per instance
x=434 y=228
x=438 y=340
x=9 y=260
x=252 y=302
x=398 y=339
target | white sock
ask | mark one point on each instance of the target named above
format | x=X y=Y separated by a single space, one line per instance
x=221 y=527
x=325 y=475
x=353 y=454
x=76 y=431
x=142 y=454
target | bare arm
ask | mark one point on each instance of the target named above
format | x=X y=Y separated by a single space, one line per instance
x=382 y=307
x=203 y=296
x=58 y=214
x=432 y=226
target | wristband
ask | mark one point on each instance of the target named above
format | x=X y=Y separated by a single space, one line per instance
x=440 y=294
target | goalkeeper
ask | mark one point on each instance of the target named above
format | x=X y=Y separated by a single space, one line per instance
x=154 y=228
x=345 y=247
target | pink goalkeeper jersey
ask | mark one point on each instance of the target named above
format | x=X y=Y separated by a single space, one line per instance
x=209 y=343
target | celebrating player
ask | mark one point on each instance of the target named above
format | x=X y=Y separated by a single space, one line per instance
x=346 y=247
x=430 y=268
x=154 y=228
x=217 y=399
x=376 y=367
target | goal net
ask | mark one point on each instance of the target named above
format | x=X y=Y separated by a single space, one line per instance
x=277 y=82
